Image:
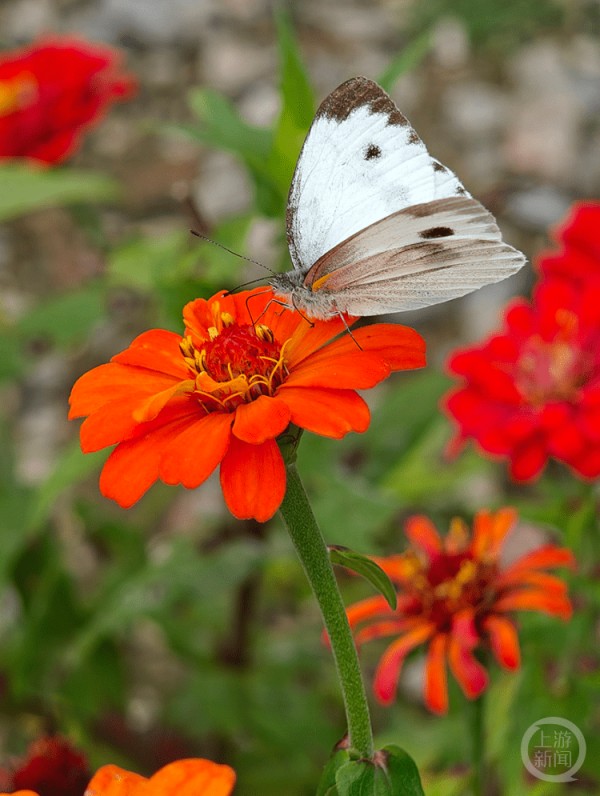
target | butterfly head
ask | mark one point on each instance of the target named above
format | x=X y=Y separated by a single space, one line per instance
x=291 y=289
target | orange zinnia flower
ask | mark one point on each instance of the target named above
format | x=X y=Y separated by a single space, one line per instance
x=221 y=394
x=454 y=596
x=194 y=777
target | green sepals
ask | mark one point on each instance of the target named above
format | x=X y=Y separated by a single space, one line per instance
x=391 y=772
x=367 y=568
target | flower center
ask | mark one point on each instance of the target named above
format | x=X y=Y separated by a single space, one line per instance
x=236 y=365
x=16 y=93
x=553 y=370
x=449 y=584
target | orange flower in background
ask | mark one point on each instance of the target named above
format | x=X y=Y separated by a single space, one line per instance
x=176 y=407
x=454 y=597
x=52 y=91
x=194 y=777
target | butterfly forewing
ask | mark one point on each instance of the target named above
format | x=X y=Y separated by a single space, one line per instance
x=361 y=162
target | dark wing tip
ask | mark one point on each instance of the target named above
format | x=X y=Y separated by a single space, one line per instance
x=356 y=92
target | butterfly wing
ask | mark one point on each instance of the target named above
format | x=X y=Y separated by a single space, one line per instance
x=418 y=256
x=361 y=162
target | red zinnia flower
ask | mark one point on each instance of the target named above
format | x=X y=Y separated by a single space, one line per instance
x=454 y=596
x=51 y=91
x=578 y=259
x=533 y=391
x=52 y=767
x=222 y=393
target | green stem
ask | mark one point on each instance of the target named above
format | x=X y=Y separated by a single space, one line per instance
x=478 y=746
x=311 y=549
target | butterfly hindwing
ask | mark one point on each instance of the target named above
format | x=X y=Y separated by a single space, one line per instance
x=418 y=256
x=361 y=162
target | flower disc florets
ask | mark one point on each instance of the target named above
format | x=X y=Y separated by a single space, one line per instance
x=236 y=365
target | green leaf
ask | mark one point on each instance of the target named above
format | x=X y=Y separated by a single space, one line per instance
x=391 y=773
x=297 y=93
x=297 y=109
x=223 y=127
x=326 y=786
x=366 y=567
x=402 y=772
x=406 y=60
x=25 y=188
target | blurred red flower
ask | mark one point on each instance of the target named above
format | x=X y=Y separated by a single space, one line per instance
x=578 y=237
x=221 y=394
x=51 y=767
x=194 y=777
x=532 y=391
x=52 y=91
x=454 y=596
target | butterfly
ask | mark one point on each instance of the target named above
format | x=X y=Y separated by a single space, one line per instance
x=376 y=225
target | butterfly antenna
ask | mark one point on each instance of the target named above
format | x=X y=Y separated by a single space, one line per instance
x=230 y=251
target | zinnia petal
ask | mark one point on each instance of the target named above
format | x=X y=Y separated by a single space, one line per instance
x=111 y=382
x=367 y=609
x=193 y=777
x=436 y=679
x=400 y=346
x=192 y=455
x=540 y=558
x=253 y=479
x=262 y=419
x=423 y=535
x=469 y=673
x=133 y=466
x=504 y=640
x=114 y=781
x=331 y=413
x=155 y=350
x=535 y=600
x=385 y=684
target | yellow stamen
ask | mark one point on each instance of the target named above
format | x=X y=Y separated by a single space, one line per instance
x=264 y=333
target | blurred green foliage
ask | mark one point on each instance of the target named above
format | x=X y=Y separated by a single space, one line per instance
x=145 y=639
x=491 y=25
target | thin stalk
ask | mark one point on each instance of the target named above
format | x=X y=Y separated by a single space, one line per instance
x=312 y=551
x=478 y=746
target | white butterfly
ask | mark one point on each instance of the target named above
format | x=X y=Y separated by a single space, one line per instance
x=374 y=223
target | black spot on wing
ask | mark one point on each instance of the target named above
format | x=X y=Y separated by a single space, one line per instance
x=437 y=166
x=460 y=191
x=436 y=232
x=372 y=152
